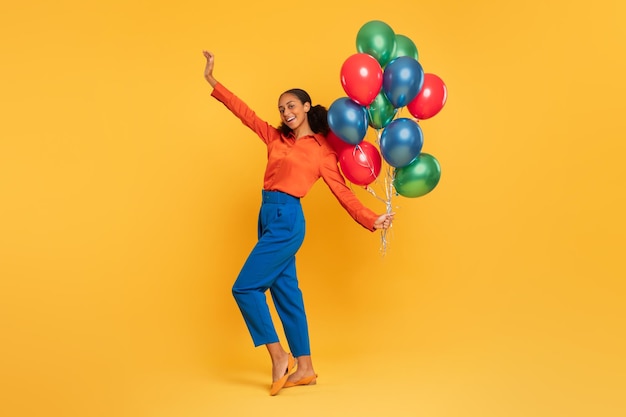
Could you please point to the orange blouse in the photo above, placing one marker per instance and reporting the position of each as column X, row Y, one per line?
column 293, row 166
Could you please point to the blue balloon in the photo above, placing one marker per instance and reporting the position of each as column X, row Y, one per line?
column 403, row 79
column 401, row 142
column 348, row 120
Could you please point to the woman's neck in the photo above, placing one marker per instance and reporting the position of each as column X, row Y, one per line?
column 302, row 132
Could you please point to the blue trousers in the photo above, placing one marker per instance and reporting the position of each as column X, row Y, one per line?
column 272, row 266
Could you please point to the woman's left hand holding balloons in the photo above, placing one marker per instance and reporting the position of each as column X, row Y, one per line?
column 384, row 221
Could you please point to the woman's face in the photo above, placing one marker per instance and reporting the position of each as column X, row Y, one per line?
column 292, row 111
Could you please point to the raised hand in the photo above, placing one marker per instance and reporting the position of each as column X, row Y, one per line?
column 208, row 69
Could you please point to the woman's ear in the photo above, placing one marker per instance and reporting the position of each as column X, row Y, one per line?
column 307, row 106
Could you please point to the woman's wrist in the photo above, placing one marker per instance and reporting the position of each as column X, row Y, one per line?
column 211, row 80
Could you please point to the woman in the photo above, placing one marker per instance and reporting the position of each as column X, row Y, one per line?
column 298, row 155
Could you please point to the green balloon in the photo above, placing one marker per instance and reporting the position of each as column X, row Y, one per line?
column 380, row 111
column 405, row 47
column 418, row 178
column 377, row 39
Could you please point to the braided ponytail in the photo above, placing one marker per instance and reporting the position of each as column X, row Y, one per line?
column 318, row 119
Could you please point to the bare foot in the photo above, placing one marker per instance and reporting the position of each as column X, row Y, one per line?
column 280, row 366
column 305, row 369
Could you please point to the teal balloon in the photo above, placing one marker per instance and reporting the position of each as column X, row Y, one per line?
column 377, row 39
column 403, row 79
column 380, row 112
column 348, row 120
column 401, row 142
column 405, row 47
column 418, row 178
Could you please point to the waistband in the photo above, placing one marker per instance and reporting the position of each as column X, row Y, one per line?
column 278, row 197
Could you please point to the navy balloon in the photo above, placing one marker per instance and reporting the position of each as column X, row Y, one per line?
column 348, row 120
column 401, row 142
column 402, row 80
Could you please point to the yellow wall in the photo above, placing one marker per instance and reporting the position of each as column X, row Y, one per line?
column 129, row 202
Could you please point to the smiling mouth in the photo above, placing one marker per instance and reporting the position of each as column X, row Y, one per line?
column 291, row 119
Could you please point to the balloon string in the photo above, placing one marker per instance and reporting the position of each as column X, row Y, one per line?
column 388, row 190
column 373, row 192
column 388, row 183
column 387, row 200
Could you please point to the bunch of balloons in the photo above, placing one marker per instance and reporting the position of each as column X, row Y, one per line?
column 383, row 77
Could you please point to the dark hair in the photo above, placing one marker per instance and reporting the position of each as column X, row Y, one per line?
column 317, row 115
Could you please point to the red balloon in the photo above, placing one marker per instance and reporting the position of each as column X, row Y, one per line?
column 430, row 99
column 361, row 78
column 337, row 143
column 360, row 164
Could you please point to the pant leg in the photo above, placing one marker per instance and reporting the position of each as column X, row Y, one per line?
column 279, row 240
column 289, row 304
column 289, row 301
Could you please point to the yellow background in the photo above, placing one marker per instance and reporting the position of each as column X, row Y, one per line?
column 129, row 202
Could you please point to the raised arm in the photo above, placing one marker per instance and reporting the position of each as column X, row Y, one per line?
column 208, row 70
column 240, row 109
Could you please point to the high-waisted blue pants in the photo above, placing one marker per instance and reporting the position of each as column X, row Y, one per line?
column 272, row 265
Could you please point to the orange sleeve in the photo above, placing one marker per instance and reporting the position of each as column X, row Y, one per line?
column 337, row 184
column 248, row 117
